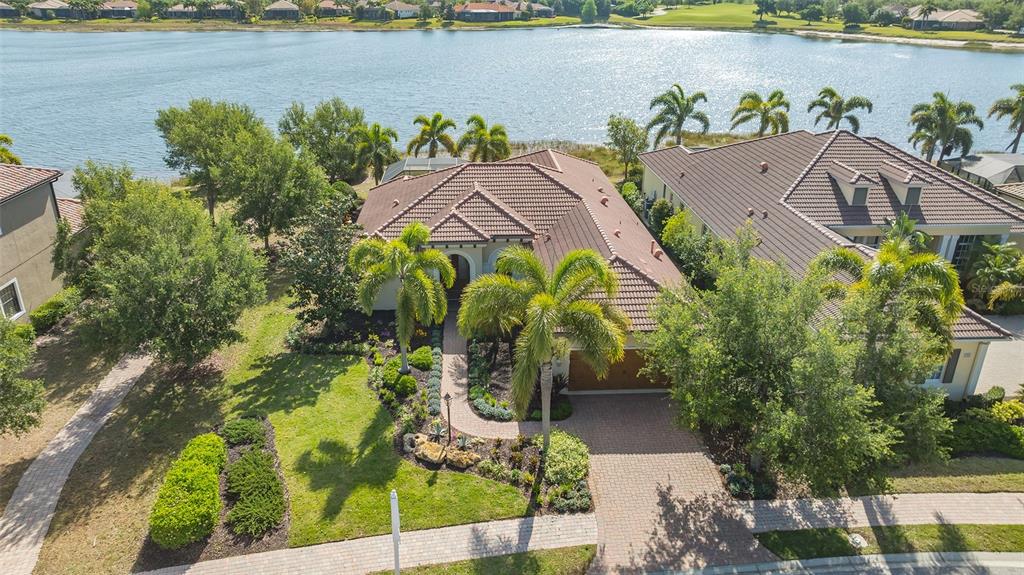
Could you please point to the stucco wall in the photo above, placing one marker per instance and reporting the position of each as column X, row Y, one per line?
column 29, row 226
column 965, row 368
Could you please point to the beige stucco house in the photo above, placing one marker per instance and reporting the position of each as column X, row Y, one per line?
column 806, row 192
column 29, row 211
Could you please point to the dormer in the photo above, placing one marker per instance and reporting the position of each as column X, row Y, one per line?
column 854, row 184
column 906, row 184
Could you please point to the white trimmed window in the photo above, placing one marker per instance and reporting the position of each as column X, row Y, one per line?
column 10, row 300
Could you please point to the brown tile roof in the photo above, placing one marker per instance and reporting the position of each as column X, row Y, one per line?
column 793, row 202
column 550, row 200
column 71, row 210
column 282, row 5
column 17, row 179
column 1015, row 191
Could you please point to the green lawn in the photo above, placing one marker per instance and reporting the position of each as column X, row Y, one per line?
column 963, row 474
column 810, row 543
column 564, row 561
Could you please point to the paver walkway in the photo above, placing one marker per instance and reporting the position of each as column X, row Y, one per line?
column 27, row 516
column 444, row 545
column 954, row 563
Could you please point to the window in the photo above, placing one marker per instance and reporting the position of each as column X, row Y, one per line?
column 869, row 241
column 10, row 300
column 860, row 196
column 962, row 252
column 944, row 373
column 913, row 196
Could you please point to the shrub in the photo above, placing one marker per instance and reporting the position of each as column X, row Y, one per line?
column 985, row 400
column 244, row 431
column 568, row 459
column 55, row 309
column 390, row 371
column 405, row 386
column 661, row 211
column 188, row 504
column 559, row 411
column 260, row 504
column 574, row 499
column 980, row 431
column 421, row 359
column 1008, row 411
column 489, row 411
column 494, row 470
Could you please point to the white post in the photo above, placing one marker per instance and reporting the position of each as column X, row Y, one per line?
column 395, row 528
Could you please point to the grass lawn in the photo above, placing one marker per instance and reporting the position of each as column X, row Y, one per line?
column 335, row 463
column 963, row 474
column 810, row 543
column 564, row 561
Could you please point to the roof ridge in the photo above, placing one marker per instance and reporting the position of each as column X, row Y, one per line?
column 455, row 214
column 617, row 258
column 600, row 228
column 988, row 322
column 807, row 169
column 539, row 169
column 457, row 170
column 500, row 205
column 836, row 238
column 731, row 144
column 515, row 159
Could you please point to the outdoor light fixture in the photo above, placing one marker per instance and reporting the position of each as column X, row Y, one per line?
column 448, row 404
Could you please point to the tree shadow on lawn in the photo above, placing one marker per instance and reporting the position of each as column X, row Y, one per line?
column 69, row 367
column 287, row 381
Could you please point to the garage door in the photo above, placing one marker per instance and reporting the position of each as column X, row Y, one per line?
column 622, row 375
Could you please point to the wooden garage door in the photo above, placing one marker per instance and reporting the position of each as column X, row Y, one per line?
column 622, row 375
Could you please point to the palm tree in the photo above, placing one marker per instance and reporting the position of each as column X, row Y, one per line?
column 1014, row 108
column 674, row 109
column 376, row 149
column 942, row 125
column 903, row 228
column 6, row 155
column 927, row 10
column 551, row 310
column 432, row 135
column 772, row 114
column 998, row 264
column 835, row 108
column 420, row 296
column 485, row 144
column 1007, row 291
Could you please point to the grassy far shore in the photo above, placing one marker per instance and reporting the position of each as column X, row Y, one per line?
column 834, row 542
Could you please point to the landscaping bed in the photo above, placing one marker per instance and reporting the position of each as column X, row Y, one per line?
column 490, row 385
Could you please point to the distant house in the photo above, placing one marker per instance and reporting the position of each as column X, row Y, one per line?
column 366, row 11
column 961, row 19
column 484, row 12
column 282, row 10
column 1013, row 193
column 988, row 170
column 181, row 11
column 539, row 10
column 50, row 9
column 331, row 8
column 417, row 167
column 224, row 11
column 402, row 10
column 119, row 9
column 8, row 11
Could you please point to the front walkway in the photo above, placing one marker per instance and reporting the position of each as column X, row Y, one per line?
column 27, row 516
column 444, row 545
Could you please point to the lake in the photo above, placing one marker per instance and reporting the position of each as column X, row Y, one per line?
column 66, row 97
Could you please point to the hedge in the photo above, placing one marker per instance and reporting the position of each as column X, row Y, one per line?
column 244, row 431
column 260, row 506
column 55, row 309
column 188, row 505
column 979, row 431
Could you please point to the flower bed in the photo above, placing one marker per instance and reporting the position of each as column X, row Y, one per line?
column 490, row 385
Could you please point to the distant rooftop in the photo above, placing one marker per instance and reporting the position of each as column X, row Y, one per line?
column 997, row 168
column 419, row 165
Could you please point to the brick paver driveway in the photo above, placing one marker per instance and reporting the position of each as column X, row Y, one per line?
column 659, row 502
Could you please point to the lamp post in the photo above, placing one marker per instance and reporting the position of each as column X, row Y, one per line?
column 448, row 404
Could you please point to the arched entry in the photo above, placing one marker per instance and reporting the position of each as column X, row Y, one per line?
column 463, row 274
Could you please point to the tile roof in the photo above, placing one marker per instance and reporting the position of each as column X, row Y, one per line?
column 397, row 5
column 48, row 5
column 793, row 202
column 1015, row 191
column 15, row 179
column 71, row 210
column 282, row 5
column 549, row 200
column 483, row 7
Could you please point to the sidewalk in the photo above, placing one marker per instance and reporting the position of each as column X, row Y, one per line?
column 27, row 517
column 429, row 546
column 901, row 563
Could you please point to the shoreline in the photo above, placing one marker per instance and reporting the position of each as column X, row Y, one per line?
column 335, row 26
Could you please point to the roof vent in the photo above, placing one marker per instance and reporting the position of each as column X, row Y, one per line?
column 654, row 246
column 764, row 167
column 658, row 254
column 750, row 212
column 764, row 214
column 405, row 177
column 600, row 189
column 681, row 174
column 394, row 202
column 617, row 233
column 604, row 200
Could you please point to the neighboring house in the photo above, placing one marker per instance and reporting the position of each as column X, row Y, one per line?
column 119, row 9
column 368, row 11
column 484, row 12
column 181, row 11
column 418, row 166
column 539, row 10
column 1013, row 193
column 549, row 201
column 805, row 193
column 402, row 10
column 961, row 19
column 282, row 10
column 50, row 9
column 224, row 11
column 988, row 170
column 29, row 210
column 330, row 9
column 8, row 11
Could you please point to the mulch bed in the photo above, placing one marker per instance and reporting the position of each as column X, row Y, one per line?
column 222, row 542
column 501, row 382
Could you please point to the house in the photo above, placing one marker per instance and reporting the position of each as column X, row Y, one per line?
column 1013, row 193
column 366, row 11
column 988, row 170
column 119, row 9
column 224, row 11
column 181, row 11
column 805, row 193
column 50, row 9
column 549, row 201
column 282, row 10
column 331, row 9
column 29, row 211
column 8, row 11
column 413, row 166
column 484, row 12
column 521, row 7
column 402, row 10
column 961, row 19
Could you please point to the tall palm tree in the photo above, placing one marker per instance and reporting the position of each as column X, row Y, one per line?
column 432, row 135
column 422, row 275
column 552, row 309
column 926, row 11
column 942, row 125
column 674, row 109
column 835, row 109
column 771, row 114
column 376, row 148
column 485, row 144
column 903, row 228
column 6, row 155
column 1014, row 108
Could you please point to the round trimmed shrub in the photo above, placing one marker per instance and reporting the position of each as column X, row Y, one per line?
column 405, row 386
column 421, row 359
